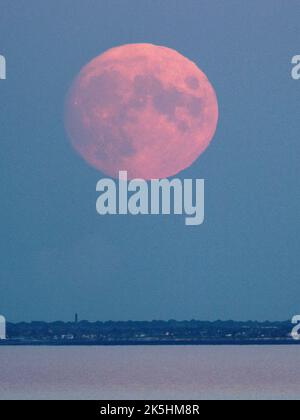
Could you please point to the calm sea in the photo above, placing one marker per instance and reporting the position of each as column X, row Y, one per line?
column 150, row 372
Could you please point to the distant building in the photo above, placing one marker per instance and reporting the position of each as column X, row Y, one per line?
column 2, row 328
column 76, row 318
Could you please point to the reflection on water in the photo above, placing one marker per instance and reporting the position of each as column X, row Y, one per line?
column 150, row 372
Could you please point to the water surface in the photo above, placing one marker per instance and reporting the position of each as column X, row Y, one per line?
column 212, row 372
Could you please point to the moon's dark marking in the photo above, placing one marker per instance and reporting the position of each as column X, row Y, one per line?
column 192, row 82
column 146, row 88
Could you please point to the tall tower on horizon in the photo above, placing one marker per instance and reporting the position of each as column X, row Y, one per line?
column 76, row 318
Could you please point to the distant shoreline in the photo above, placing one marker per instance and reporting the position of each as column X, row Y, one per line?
column 154, row 333
column 153, row 343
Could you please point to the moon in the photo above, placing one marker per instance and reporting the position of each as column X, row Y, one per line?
column 141, row 108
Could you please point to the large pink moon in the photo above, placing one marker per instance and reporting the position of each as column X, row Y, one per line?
column 141, row 108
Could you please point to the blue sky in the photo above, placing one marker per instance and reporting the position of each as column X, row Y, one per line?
column 59, row 257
